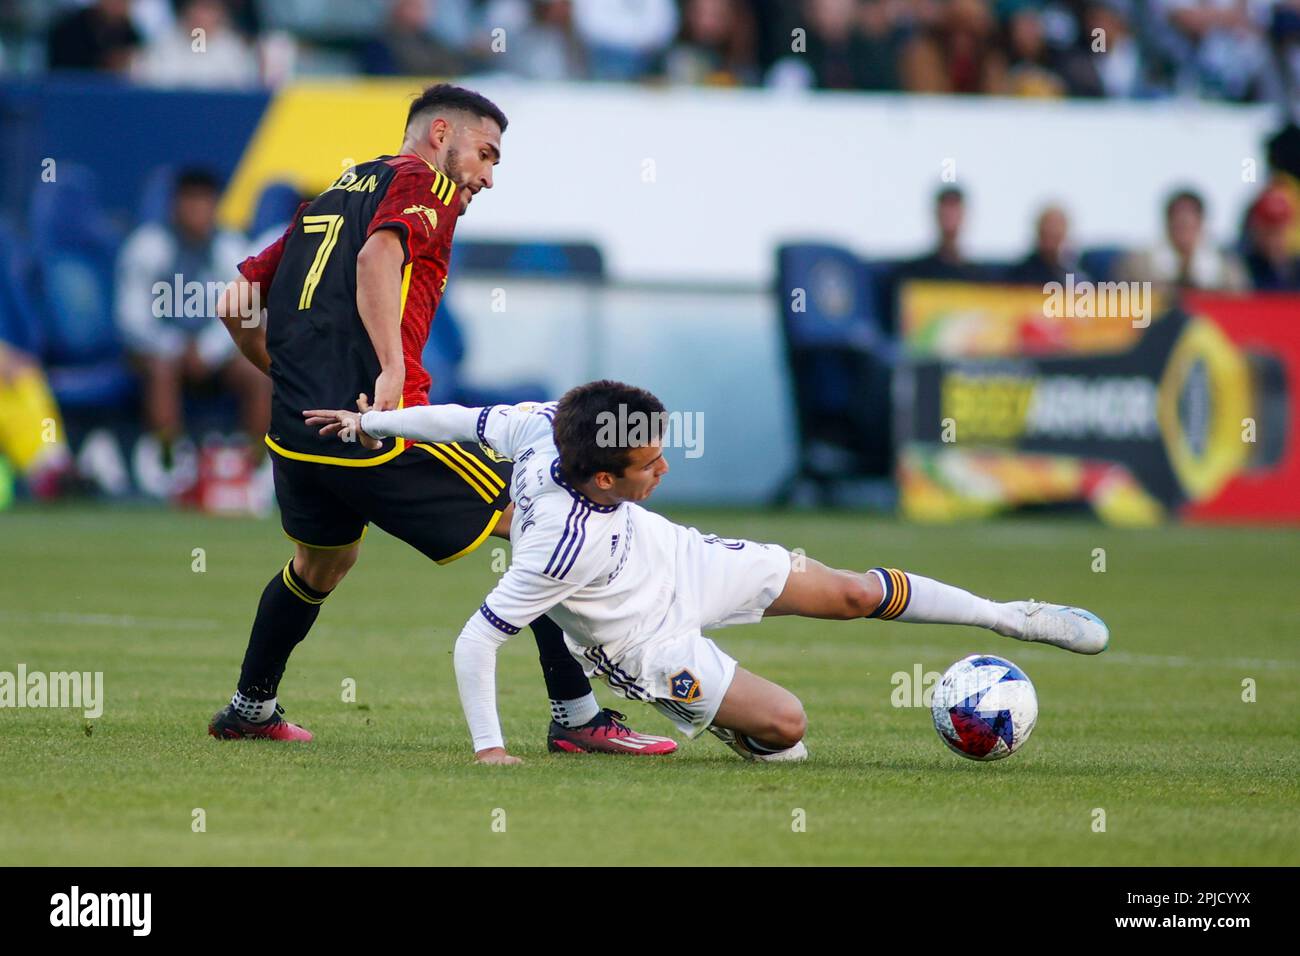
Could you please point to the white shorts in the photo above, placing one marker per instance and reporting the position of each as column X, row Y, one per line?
column 719, row 582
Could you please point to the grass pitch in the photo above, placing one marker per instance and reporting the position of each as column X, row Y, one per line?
column 1154, row 733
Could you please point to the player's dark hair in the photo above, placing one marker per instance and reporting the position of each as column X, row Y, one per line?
column 949, row 194
column 445, row 96
column 581, row 427
column 196, row 177
column 1185, row 195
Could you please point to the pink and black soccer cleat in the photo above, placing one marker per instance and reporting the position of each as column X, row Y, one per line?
column 605, row 734
column 228, row 725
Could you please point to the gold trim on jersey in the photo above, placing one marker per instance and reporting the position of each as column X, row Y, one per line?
column 475, row 481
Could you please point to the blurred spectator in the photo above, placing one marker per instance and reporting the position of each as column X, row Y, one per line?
column 624, row 38
column 1186, row 258
column 946, row 261
column 1284, row 36
column 1107, row 61
column 1050, row 259
column 541, row 43
column 406, row 47
column 32, row 438
column 954, row 52
column 170, row 329
column 716, row 46
column 849, row 47
column 1027, row 67
column 97, row 37
column 1218, row 44
column 1269, row 260
column 204, row 50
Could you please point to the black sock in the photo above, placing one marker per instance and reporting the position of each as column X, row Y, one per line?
column 564, row 677
column 285, row 614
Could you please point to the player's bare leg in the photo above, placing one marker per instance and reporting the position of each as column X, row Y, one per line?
column 760, row 720
column 288, row 609
column 815, row 590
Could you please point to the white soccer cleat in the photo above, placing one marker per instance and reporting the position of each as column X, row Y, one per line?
column 734, row 741
column 1072, row 628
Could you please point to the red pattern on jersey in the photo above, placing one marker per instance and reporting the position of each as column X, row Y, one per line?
column 260, row 269
column 425, row 224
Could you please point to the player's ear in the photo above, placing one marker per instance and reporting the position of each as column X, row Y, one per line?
column 604, row 480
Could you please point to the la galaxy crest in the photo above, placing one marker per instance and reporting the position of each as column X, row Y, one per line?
column 684, row 687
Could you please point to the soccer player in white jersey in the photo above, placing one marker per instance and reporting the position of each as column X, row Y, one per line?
column 634, row 592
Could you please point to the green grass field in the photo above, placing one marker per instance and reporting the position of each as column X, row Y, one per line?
column 1154, row 732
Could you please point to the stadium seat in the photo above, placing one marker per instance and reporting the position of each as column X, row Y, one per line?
column 74, row 247
column 156, row 195
column 276, row 205
column 841, row 363
column 1101, row 262
column 19, row 325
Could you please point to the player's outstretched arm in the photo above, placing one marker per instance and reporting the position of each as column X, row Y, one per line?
column 476, row 679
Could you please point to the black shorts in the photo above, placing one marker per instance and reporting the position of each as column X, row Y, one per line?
column 442, row 499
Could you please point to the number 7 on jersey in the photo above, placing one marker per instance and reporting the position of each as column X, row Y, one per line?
column 329, row 225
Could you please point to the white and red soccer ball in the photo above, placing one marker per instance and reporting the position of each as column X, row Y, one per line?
column 984, row 707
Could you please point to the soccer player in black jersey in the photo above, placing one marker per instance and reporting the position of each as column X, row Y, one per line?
column 350, row 290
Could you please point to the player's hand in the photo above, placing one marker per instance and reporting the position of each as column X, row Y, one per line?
column 496, row 756
column 388, row 389
column 343, row 423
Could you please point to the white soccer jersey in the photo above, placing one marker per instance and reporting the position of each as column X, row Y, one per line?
column 613, row 577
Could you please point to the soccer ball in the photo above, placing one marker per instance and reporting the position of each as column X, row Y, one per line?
column 984, row 707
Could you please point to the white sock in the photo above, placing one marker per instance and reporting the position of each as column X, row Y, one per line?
column 574, row 713
column 920, row 600
column 256, row 711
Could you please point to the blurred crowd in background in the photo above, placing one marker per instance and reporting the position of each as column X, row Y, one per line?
column 79, row 322
column 1237, row 50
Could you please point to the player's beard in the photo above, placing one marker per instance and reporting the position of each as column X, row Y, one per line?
column 453, row 171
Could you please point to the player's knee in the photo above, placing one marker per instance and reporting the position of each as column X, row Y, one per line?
column 789, row 723
column 861, row 595
column 324, row 570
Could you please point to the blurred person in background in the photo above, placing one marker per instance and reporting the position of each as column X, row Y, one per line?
column 841, row 54
column 32, row 439
column 542, row 44
column 203, row 50
column 624, row 38
column 1107, row 60
column 1026, row 65
column 100, row 36
column 176, row 339
column 946, row 260
column 1219, row 45
column 716, row 46
column 1051, row 259
column 1269, row 260
column 1284, row 38
column 954, row 52
column 1186, row 258
column 406, row 45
